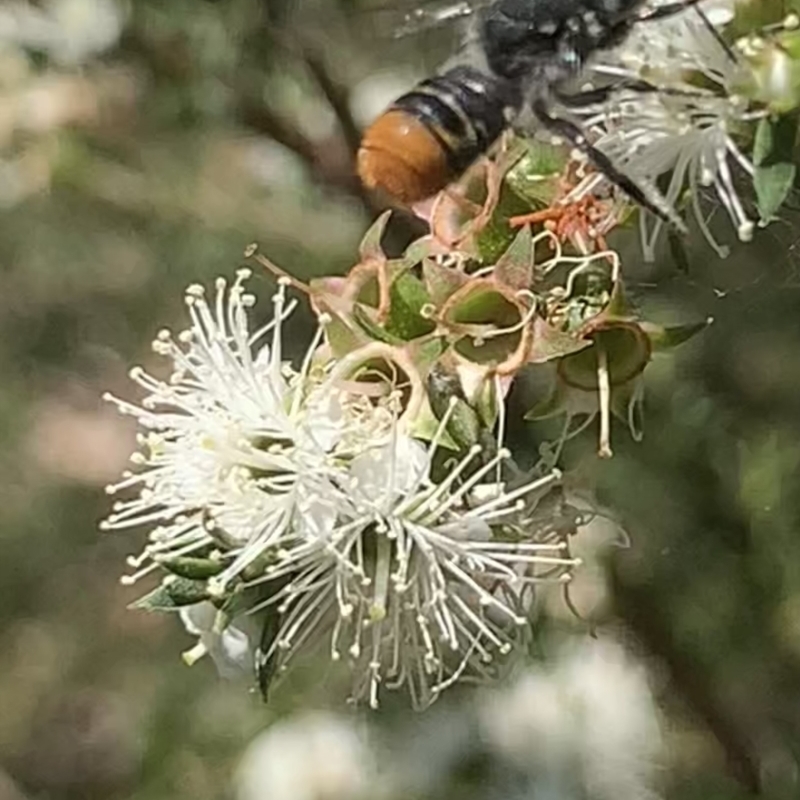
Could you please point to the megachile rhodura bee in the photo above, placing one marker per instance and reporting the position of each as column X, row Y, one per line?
column 529, row 54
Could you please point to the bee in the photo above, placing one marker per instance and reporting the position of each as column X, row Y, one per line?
column 530, row 51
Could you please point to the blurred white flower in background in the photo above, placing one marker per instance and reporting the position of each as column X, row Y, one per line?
column 313, row 756
column 60, row 429
column 69, row 31
column 373, row 93
column 588, row 720
column 40, row 102
column 581, row 726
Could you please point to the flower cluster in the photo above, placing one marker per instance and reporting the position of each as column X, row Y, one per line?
column 368, row 499
column 300, row 499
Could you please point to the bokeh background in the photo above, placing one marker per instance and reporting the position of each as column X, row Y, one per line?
column 143, row 146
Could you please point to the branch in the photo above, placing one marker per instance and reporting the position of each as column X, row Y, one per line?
column 338, row 98
column 644, row 618
column 332, row 162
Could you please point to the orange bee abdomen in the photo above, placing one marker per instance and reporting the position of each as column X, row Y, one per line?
column 402, row 156
column 432, row 134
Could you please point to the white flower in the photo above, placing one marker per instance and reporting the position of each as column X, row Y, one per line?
column 418, row 590
column 589, row 719
column 228, row 643
column 313, row 511
column 317, row 756
column 238, row 452
column 681, row 128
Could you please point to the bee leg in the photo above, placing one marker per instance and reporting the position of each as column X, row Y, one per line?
column 576, row 137
column 596, row 97
column 668, row 10
column 592, row 97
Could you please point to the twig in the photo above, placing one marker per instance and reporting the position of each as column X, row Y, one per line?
column 259, row 116
column 338, row 98
column 643, row 616
column 332, row 163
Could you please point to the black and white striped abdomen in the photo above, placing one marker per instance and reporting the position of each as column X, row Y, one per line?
column 465, row 109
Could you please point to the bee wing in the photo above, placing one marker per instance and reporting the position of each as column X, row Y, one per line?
column 425, row 15
column 433, row 13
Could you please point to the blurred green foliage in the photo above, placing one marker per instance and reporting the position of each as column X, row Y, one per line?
column 204, row 126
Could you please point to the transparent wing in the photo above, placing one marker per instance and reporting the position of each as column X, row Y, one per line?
column 433, row 13
column 401, row 19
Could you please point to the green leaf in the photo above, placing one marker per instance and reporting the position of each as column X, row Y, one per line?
column 425, row 426
column 628, row 350
column 773, row 158
column 370, row 247
column 444, row 390
column 266, row 660
column 341, row 336
column 172, row 594
column 464, row 425
column 407, row 298
column 157, row 600
column 441, row 281
column 753, row 16
column 487, row 404
column 665, row 338
column 618, row 306
column 534, row 175
column 495, row 237
column 192, row 567
column 372, row 329
column 515, row 266
column 426, row 353
column 549, row 343
column 483, row 304
column 417, row 251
